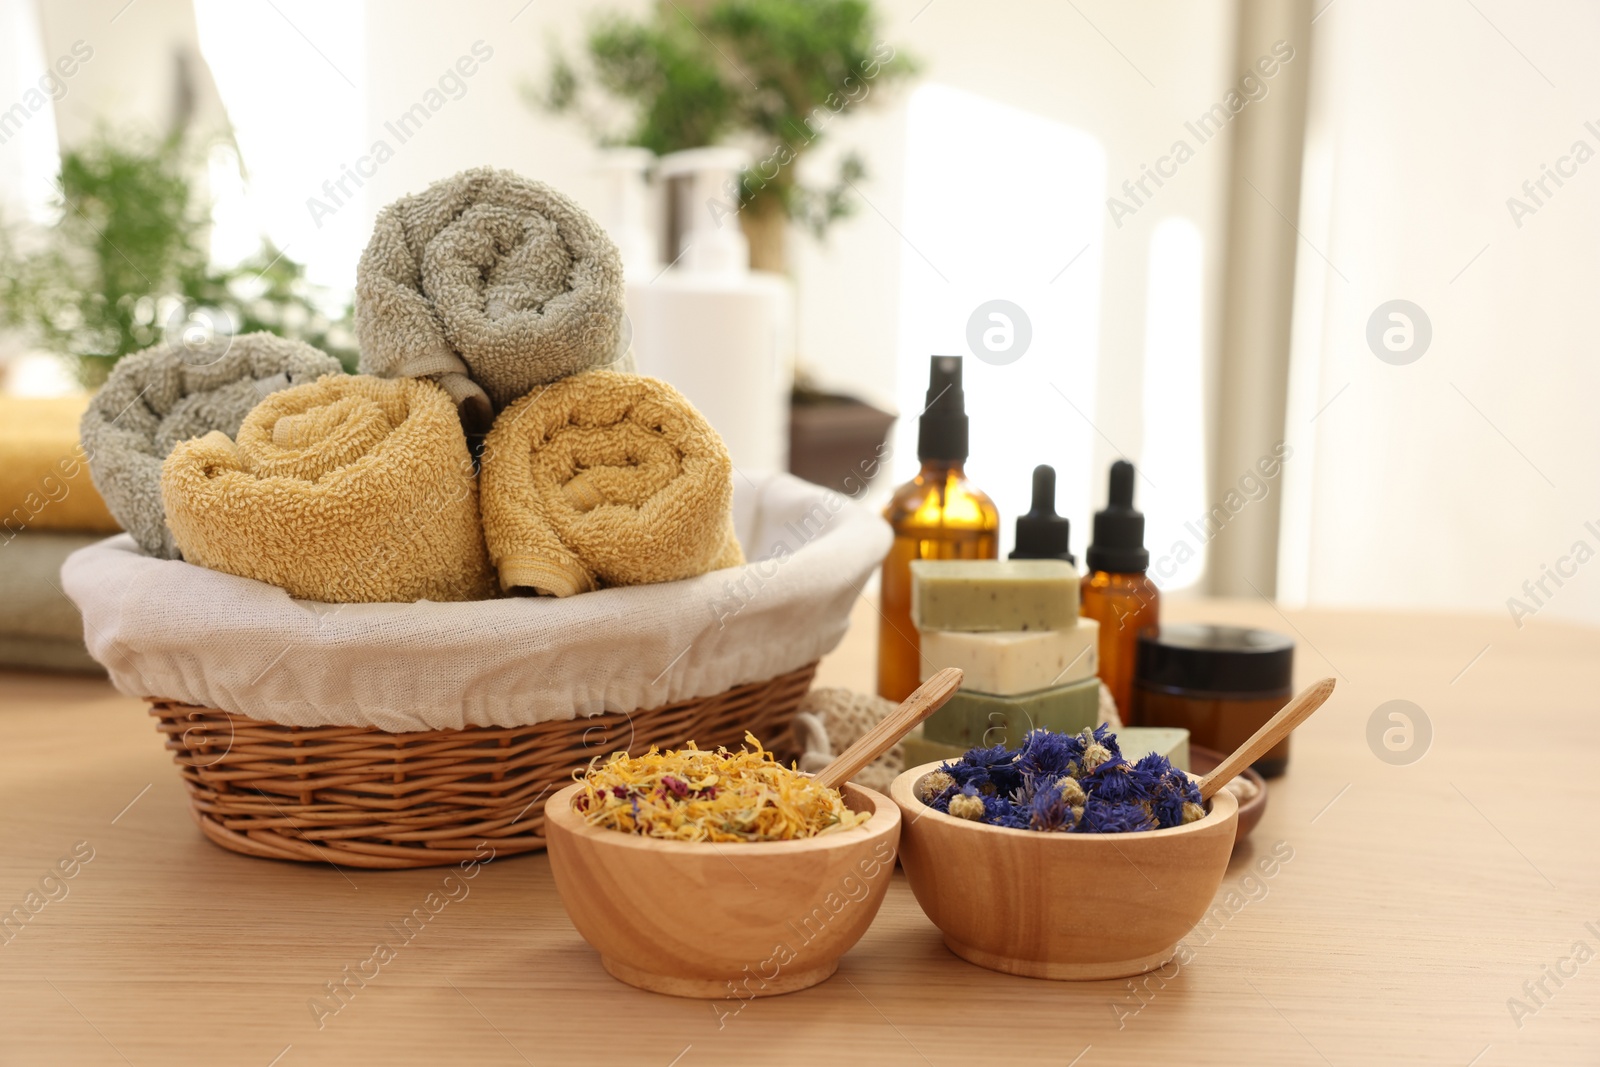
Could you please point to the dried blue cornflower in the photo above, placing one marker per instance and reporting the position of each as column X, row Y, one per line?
column 1181, row 784
column 1049, row 811
column 1046, row 754
column 1149, row 774
column 993, row 756
column 1107, row 817
column 942, row 801
column 989, row 770
column 998, row 811
column 1023, row 794
column 1103, row 736
column 1063, row 782
column 1167, row 807
column 1112, row 782
column 1006, row 776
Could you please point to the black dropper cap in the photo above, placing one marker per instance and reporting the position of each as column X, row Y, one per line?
column 1118, row 545
column 1041, row 533
column 942, row 430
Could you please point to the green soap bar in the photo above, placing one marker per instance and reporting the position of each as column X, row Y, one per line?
column 982, row 596
column 1136, row 742
column 973, row 719
column 1169, row 741
column 920, row 750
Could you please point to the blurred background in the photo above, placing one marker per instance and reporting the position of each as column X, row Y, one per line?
column 1320, row 269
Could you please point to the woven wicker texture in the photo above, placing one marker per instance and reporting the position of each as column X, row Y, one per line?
column 361, row 797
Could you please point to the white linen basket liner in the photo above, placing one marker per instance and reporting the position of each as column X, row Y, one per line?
column 165, row 628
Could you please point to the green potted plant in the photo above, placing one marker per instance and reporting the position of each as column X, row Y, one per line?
column 125, row 266
column 770, row 74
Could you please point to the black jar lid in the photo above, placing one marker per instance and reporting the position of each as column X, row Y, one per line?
column 1215, row 659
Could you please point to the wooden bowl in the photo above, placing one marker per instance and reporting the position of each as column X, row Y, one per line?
column 1063, row 906
column 1202, row 761
column 722, row 920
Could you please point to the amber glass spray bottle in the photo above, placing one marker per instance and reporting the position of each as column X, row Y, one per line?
column 936, row 515
column 1116, row 592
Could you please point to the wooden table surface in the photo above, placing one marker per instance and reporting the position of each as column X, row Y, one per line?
column 1444, row 911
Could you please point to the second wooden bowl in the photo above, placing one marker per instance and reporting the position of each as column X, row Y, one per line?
column 722, row 920
column 1063, row 906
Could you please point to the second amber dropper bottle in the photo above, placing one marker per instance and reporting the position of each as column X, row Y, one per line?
column 936, row 515
column 1116, row 592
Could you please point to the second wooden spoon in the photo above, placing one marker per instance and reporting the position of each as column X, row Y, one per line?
column 929, row 697
column 1272, row 731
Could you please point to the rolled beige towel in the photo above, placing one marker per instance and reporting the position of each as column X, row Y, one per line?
column 490, row 284
column 605, row 479
column 346, row 490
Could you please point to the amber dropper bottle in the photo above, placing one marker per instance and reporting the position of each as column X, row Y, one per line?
column 936, row 515
column 1115, row 591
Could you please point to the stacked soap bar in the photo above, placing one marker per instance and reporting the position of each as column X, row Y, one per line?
column 1010, row 663
column 972, row 719
column 1013, row 629
column 989, row 595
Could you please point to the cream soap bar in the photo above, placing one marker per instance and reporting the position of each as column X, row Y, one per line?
column 972, row 719
column 1009, row 663
column 987, row 595
column 1136, row 742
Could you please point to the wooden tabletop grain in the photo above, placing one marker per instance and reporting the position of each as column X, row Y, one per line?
column 1444, row 910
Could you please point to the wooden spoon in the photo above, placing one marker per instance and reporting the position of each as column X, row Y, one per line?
column 929, row 697
column 1274, row 730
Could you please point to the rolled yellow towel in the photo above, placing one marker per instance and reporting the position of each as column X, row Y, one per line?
column 343, row 490
column 605, row 479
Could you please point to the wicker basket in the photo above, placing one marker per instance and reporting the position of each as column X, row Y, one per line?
column 360, row 797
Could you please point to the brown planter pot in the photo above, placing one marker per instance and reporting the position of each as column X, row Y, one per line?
column 837, row 441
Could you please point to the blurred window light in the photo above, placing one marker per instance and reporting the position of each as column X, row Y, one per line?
column 39, row 374
column 1174, row 449
column 292, row 77
column 1001, row 263
column 235, row 235
column 29, row 157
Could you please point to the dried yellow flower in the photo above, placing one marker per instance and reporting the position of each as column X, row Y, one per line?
column 690, row 795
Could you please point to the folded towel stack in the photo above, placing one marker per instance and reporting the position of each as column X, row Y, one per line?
column 606, row 479
column 44, row 476
column 40, row 628
column 156, row 398
column 490, row 284
column 48, row 510
column 349, row 489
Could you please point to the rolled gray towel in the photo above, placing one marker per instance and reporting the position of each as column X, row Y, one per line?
column 166, row 394
column 490, row 284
